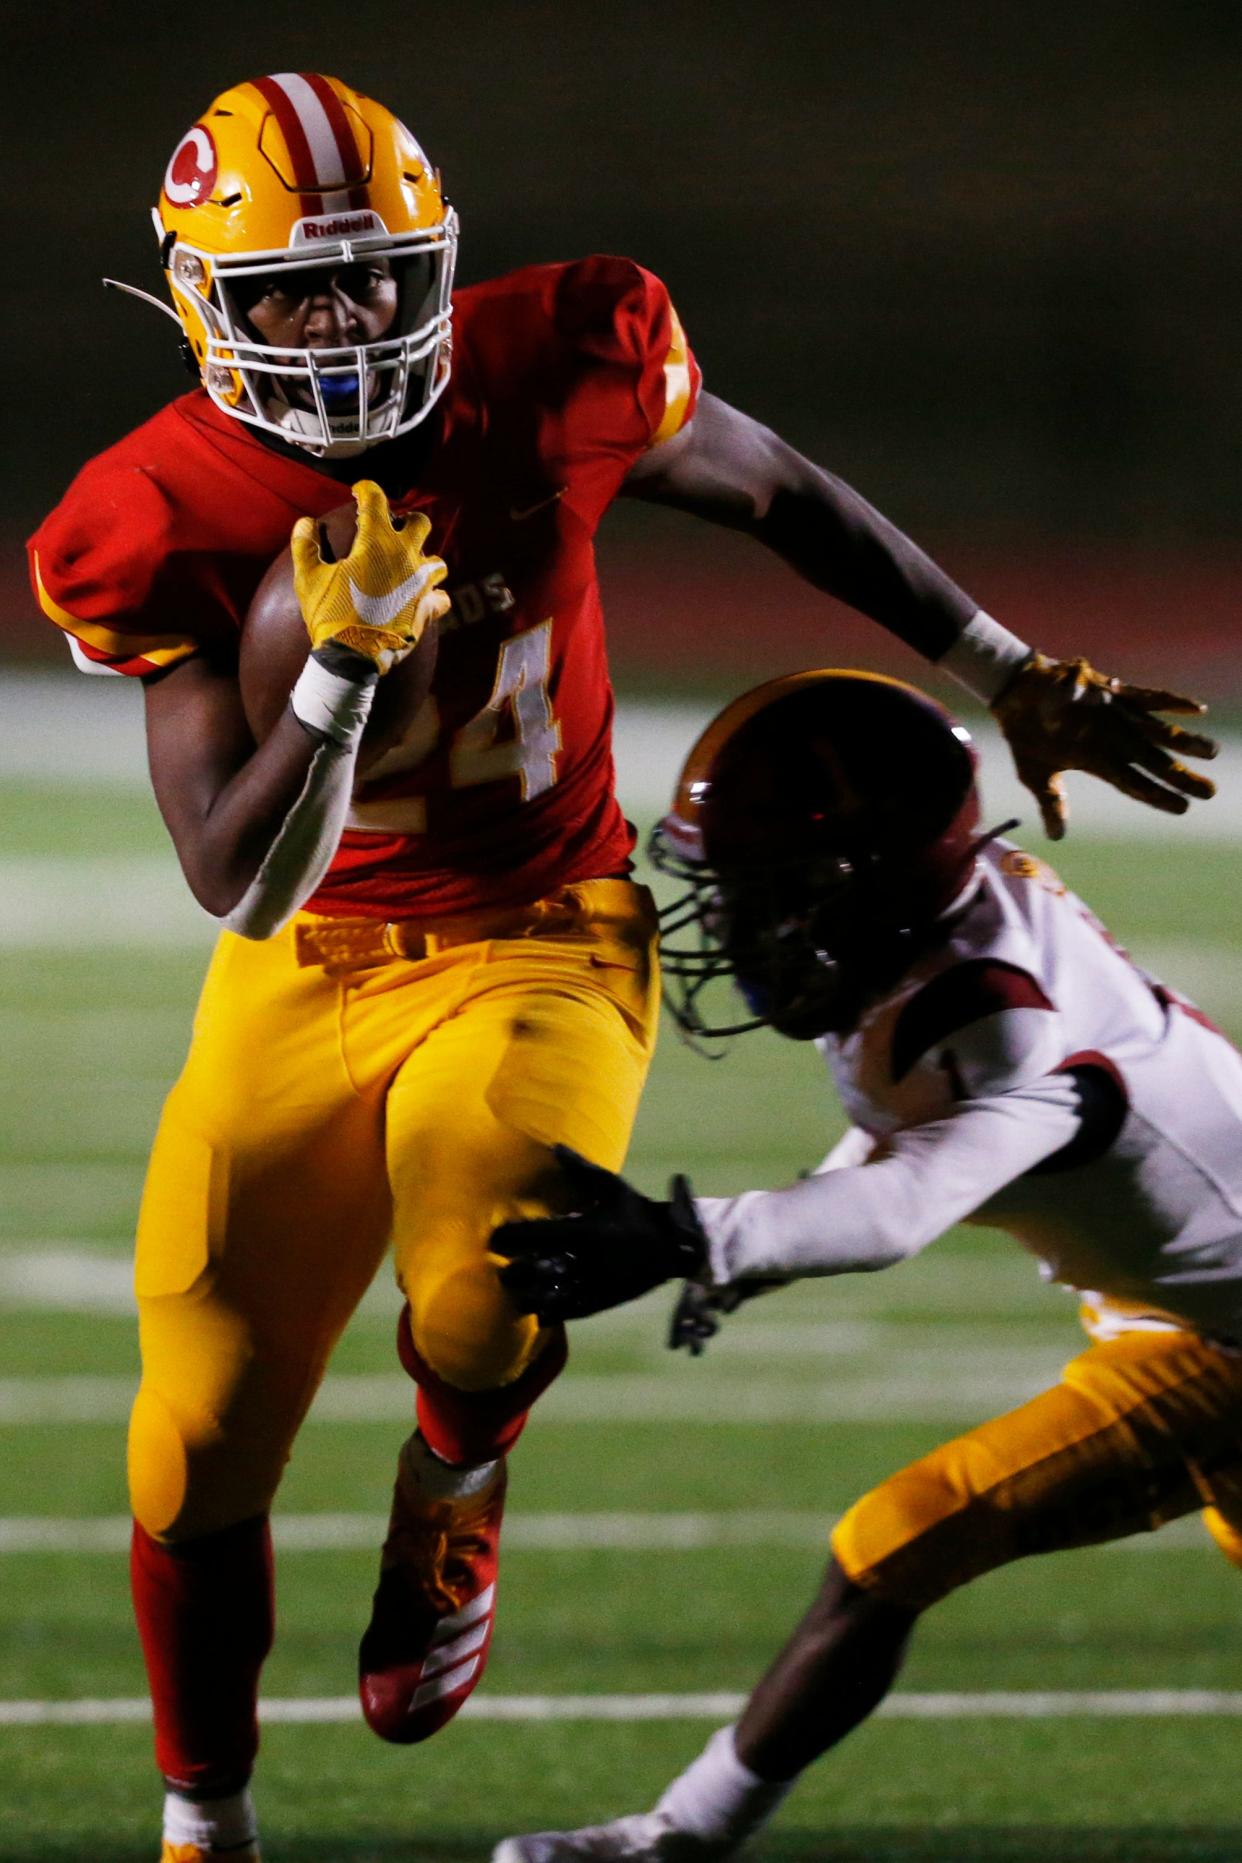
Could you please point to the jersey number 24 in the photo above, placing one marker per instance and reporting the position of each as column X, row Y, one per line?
column 479, row 752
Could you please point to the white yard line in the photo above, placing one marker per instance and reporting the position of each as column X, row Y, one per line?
column 547, row 1532
column 84, row 1272
column 617, row 1532
column 62, row 1277
column 1107, row 1704
column 944, row 1386
column 55, row 902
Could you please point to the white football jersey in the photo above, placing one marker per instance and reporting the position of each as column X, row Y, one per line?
column 1029, row 1076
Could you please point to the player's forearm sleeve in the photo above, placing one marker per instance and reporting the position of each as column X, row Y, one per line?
column 302, row 851
column 918, row 1184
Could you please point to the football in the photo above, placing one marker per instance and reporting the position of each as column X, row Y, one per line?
column 274, row 645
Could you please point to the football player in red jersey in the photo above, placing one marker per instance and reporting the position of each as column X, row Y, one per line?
column 434, row 970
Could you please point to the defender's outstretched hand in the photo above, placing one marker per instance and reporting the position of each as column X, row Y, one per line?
column 617, row 1245
column 696, row 1315
column 1060, row 715
column 366, row 613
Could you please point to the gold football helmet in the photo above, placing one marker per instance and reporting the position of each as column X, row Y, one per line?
column 295, row 178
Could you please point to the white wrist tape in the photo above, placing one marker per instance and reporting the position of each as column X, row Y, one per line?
column 329, row 704
column 984, row 657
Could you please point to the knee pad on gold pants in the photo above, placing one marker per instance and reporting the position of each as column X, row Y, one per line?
column 466, row 1329
column 188, row 1475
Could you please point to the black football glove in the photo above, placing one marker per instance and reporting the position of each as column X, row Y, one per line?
column 694, row 1319
column 617, row 1246
column 696, row 1316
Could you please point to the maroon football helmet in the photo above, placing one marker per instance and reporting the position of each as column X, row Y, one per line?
column 827, row 822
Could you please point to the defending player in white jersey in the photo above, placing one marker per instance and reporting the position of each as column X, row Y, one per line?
column 1002, row 1061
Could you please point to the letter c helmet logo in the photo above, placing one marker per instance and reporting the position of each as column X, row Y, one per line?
column 191, row 174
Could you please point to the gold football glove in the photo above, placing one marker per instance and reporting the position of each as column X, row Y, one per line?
column 376, row 605
column 1062, row 715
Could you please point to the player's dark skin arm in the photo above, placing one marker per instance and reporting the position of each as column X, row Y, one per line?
column 223, row 800
column 1057, row 715
column 728, row 468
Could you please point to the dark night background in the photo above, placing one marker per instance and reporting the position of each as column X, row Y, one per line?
column 982, row 261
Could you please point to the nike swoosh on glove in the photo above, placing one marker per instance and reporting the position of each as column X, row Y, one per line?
column 366, row 613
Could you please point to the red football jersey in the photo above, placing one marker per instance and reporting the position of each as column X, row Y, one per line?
column 503, row 789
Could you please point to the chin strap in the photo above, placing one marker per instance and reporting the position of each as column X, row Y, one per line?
column 992, row 834
column 294, row 422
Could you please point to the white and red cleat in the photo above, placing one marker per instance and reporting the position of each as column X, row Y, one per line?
column 426, row 1645
column 650, row 1837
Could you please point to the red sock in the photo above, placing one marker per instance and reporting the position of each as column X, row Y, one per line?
column 466, row 1427
column 205, row 1613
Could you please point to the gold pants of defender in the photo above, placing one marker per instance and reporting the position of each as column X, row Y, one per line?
column 339, row 1094
column 1140, row 1430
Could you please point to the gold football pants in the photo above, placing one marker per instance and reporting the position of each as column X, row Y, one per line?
column 347, row 1084
column 1140, row 1430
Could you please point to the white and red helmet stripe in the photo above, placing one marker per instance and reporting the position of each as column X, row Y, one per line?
column 328, row 169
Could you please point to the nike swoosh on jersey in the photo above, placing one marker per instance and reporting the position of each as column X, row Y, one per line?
column 382, row 610
column 519, row 513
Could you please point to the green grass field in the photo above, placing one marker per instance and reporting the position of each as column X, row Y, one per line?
column 668, row 1516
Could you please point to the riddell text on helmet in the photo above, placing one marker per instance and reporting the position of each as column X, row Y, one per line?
column 337, row 226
